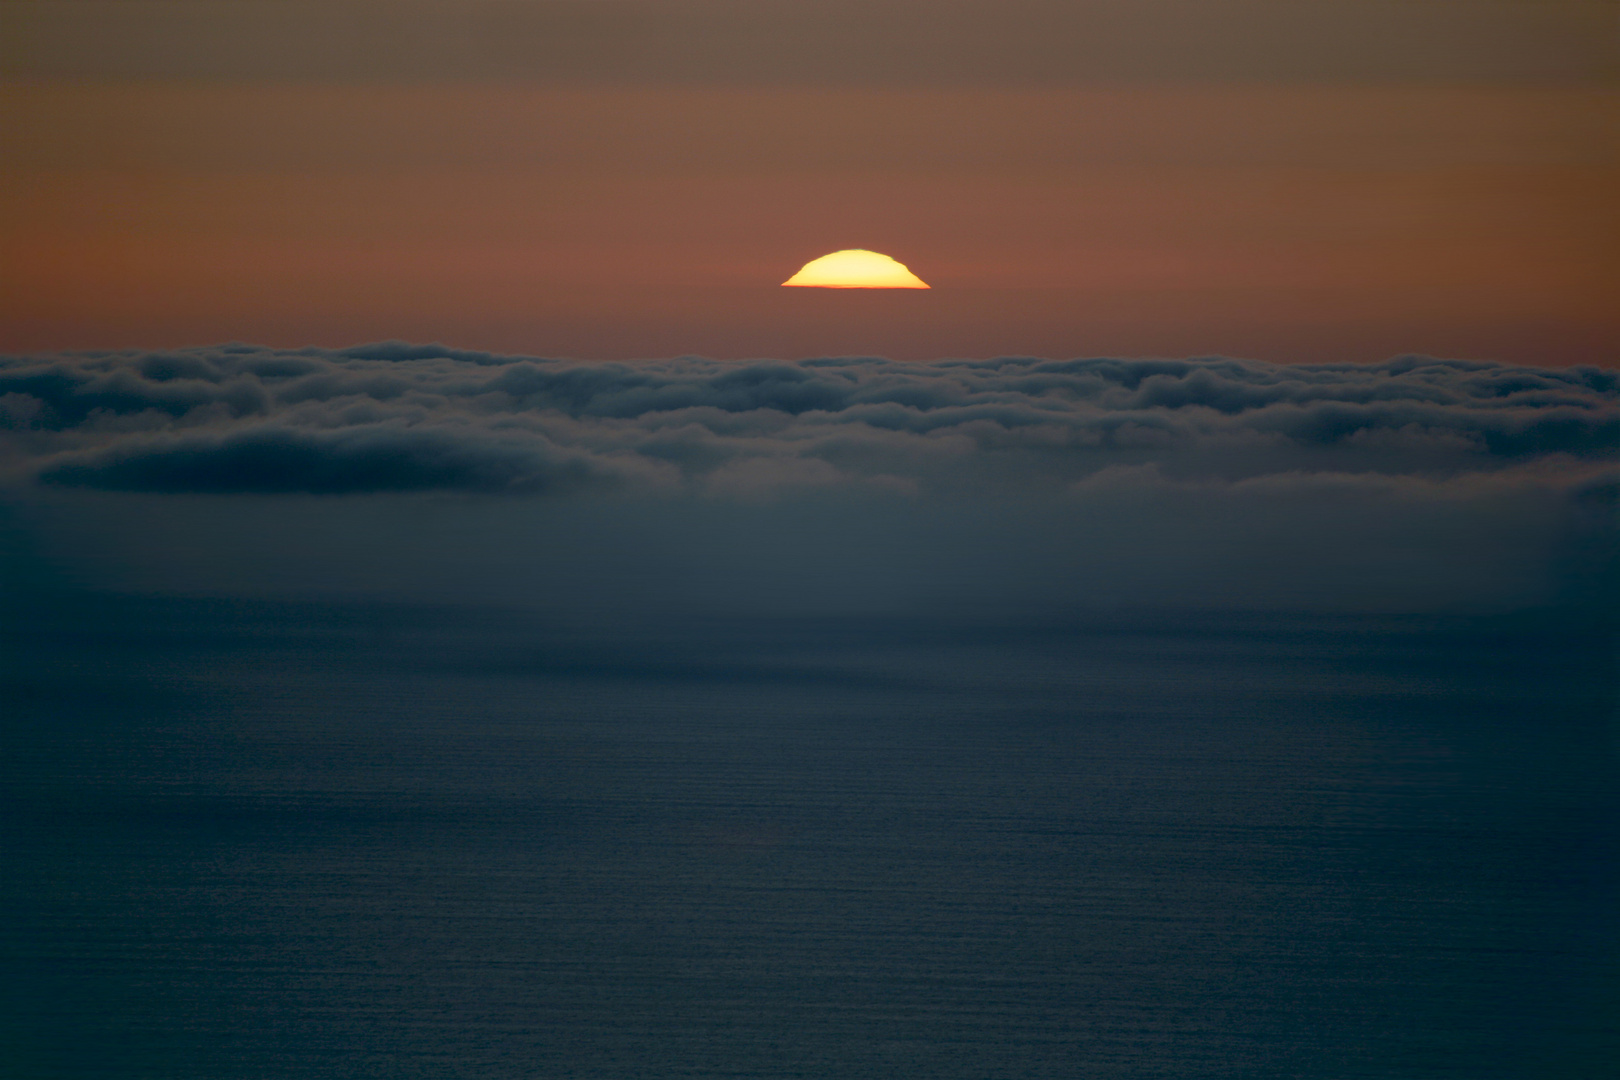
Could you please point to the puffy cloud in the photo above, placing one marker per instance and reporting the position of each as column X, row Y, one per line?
column 1009, row 486
column 397, row 417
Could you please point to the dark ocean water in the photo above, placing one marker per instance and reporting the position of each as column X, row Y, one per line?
column 253, row 840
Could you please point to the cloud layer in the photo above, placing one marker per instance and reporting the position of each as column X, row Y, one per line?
column 1228, row 479
column 401, row 417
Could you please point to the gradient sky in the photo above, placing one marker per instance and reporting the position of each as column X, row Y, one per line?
column 1344, row 180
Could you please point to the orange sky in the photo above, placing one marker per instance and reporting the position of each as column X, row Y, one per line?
column 1286, row 221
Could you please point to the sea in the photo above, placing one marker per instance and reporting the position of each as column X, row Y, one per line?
column 266, row 839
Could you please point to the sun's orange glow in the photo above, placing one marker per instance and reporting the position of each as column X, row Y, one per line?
column 856, row 268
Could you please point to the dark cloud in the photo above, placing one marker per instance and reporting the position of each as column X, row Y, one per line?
column 405, row 350
column 368, row 458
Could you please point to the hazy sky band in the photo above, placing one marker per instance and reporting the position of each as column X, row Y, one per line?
column 841, row 42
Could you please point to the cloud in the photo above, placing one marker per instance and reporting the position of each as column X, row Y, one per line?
column 830, row 485
column 400, row 417
column 370, row 458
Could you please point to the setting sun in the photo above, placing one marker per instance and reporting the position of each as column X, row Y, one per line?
column 856, row 268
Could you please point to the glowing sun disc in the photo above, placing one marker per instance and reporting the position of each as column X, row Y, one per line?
column 855, row 268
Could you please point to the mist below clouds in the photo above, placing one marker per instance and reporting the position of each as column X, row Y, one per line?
column 1009, row 489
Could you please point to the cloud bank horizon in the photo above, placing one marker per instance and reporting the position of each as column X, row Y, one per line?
column 1416, row 482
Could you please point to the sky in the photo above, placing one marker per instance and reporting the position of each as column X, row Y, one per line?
column 1334, row 181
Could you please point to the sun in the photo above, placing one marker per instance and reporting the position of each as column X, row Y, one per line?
column 856, row 268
